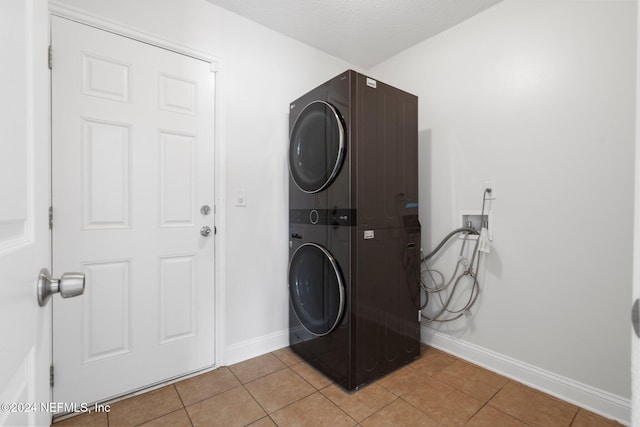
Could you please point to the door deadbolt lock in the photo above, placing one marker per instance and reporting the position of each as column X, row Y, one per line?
column 68, row 285
column 205, row 231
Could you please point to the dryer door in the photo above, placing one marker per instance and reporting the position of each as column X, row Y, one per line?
column 316, row 147
column 316, row 289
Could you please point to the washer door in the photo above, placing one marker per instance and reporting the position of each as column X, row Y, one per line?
column 316, row 289
column 316, row 147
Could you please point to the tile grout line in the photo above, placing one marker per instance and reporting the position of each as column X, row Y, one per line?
column 416, row 408
column 164, row 415
column 262, row 376
column 179, row 396
column 248, row 392
column 388, row 404
column 316, row 390
column 336, row 405
column 289, row 404
column 547, row 397
column 213, row 395
column 422, row 412
column 257, row 403
column 184, row 407
column 277, row 357
column 485, row 403
column 574, row 417
column 305, row 380
column 506, row 413
column 286, row 406
column 168, row 413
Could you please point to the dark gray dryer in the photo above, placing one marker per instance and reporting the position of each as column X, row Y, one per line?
column 354, row 235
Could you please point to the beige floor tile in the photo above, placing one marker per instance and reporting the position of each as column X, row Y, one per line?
column 443, row 403
column 436, row 390
column 235, row 407
column 487, row 376
column 312, row 411
column 400, row 414
column 428, row 388
column 361, row 404
column 279, row 389
column 431, row 362
column 175, row 419
column 263, row 422
column 257, row 367
column 287, row 356
column 586, row 418
column 145, row 407
column 434, row 351
column 533, row 407
column 402, row 381
column 470, row 379
column 91, row 419
column 312, row 375
column 489, row 416
column 206, row 385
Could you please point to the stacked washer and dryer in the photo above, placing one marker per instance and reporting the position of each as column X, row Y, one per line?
column 354, row 235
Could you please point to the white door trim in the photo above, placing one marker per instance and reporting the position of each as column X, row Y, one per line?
column 80, row 16
column 635, row 341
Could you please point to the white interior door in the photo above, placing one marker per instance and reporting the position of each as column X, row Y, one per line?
column 133, row 160
column 24, row 199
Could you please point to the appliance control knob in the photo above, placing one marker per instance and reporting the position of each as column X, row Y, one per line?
column 314, row 216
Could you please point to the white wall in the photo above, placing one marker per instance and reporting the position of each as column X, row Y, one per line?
column 537, row 96
column 261, row 71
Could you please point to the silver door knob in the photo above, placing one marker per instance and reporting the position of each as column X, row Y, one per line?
column 205, row 231
column 68, row 285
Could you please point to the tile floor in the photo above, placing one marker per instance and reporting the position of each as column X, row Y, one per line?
column 280, row 389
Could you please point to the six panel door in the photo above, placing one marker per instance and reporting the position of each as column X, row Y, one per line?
column 133, row 162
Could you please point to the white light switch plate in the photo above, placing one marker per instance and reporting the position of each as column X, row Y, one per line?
column 241, row 199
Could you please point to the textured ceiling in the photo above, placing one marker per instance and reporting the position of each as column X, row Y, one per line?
column 362, row 32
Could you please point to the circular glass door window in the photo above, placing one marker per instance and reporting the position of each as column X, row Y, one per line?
column 316, row 289
column 316, row 147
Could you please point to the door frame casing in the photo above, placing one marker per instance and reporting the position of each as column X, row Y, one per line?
column 77, row 15
column 635, row 341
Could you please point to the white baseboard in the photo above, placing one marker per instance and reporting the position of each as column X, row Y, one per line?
column 256, row 347
column 601, row 402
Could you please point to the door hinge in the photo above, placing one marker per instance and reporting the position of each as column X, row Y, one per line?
column 51, row 375
column 50, row 59
column 50, row 217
